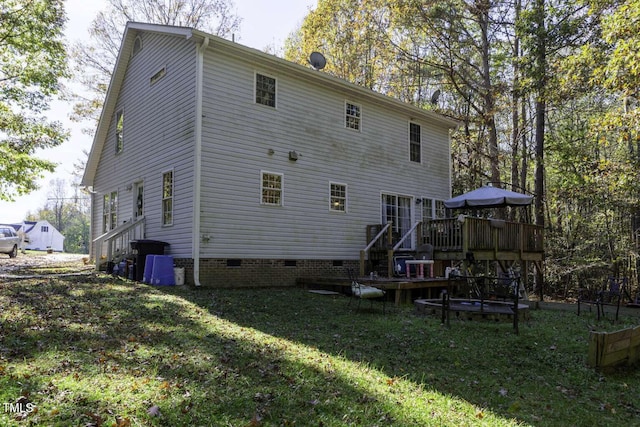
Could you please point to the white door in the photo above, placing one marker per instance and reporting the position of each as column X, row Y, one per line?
column 397, row 210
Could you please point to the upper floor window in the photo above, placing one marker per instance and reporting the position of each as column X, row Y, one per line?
column 167, row 198
column 352, row 116
column 158, row 75
column 265, row 90
column 338, row 201
column 119, row 131
column 137, row 46
column 415, row 141
column 44, row 228
column 271, row 188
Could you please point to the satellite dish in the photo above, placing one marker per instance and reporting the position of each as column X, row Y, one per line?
column 435, row 96
column 317, row 60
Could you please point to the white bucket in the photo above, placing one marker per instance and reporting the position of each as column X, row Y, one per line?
column 178, row 274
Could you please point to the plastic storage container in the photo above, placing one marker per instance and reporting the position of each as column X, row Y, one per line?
column 142, row 248
column 148, row 268
column 162, row 273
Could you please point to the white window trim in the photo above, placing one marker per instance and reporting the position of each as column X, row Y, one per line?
column 134, row 50
column 344, row 118
column 119, row 112
column 410, row 142
column 106, row 223
column 136, row 185
column 438, row 211
column 281, row 175
column 158, row 75
column 173, row 197
column 346, row 198
column 412, row 206
column 255, row 87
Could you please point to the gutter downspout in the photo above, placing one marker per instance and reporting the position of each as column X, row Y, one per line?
column 197, row 170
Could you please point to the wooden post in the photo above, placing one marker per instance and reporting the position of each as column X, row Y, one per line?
column 362, row 262
column 465, row 236
column 390, row 265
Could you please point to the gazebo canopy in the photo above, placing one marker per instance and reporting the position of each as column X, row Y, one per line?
column 488, row 197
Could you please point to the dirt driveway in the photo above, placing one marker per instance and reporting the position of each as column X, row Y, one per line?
column 32, row 260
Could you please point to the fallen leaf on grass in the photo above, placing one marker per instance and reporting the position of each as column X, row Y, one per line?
column 96, row 420
column 122, row 422
column 256, row 421
column 154, row 411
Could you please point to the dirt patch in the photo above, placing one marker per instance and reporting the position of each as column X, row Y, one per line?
column 40, row 260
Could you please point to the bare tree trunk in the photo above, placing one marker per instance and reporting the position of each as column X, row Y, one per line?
column 515, row 101
column 541, row 71
column 488, row 95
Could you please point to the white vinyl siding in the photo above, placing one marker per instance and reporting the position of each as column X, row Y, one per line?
column 159, row 136
column 242, row 138
column 370, row 161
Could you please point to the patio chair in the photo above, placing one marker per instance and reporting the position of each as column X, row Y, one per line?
column 360, row 291
column 399, row 266
column 424, row 251
column 609, row 295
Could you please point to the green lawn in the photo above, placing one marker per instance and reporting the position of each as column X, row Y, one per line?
column 99, row 351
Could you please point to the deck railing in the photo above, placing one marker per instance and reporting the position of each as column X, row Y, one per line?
column 114, row 244
column 376, row 241
column 469, row 234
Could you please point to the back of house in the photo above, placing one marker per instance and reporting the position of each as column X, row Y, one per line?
column 255, row 170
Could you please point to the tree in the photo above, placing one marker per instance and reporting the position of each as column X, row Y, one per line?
column 352, row 35
column 32, row 62
column 94, row 60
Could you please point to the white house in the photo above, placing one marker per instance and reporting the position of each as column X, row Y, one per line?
column 40, row 236
column 254, row 169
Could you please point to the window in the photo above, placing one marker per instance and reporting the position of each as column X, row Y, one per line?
column 338, row 201
column 167, row 198
column 352, row 116
column 265, row 90
column 109, row 211
column 159, row 75
column 271, row 186
column 433, row 209
column 414, row 142
column 138, row 208
column 119, row 131
column 44, row 228
column 137, row 46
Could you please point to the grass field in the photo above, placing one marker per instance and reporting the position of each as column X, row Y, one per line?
column 95, row 350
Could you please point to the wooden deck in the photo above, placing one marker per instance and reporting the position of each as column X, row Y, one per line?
column 401, row 290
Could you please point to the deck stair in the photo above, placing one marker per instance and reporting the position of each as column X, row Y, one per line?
column 115, row 245
column 453, row 239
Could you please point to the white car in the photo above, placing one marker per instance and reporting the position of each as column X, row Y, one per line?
column 9, row 241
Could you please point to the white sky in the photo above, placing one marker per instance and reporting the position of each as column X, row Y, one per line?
column 264, row 23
